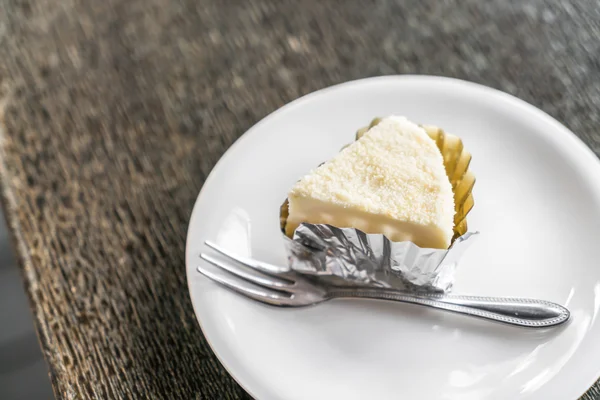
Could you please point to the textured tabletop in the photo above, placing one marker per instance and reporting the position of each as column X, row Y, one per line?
column 115, row 111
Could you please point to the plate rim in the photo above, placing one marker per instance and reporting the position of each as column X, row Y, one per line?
column 508, row 98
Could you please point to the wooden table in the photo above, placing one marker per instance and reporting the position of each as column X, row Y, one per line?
column 115, row 111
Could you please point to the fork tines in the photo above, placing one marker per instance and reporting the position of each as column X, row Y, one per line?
column 250, row 277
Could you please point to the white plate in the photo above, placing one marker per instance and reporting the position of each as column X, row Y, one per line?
column 537, row 205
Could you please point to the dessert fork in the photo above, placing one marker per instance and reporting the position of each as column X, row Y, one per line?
column 280, row 286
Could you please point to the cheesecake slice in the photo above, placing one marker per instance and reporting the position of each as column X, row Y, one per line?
column 391, row 181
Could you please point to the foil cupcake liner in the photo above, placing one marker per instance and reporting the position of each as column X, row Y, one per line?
column 350, row 257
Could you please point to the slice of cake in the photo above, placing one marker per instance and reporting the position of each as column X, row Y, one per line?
column 390, row 181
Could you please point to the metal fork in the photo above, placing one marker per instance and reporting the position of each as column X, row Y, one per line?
column 280, row 286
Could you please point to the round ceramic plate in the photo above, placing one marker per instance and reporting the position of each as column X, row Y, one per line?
column 537, row 206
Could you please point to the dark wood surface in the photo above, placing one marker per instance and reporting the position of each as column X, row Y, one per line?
column 115, row 111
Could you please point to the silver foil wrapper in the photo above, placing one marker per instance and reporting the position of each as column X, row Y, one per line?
column 350, row 257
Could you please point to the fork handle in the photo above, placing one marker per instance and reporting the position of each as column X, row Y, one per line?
column 515, row 311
